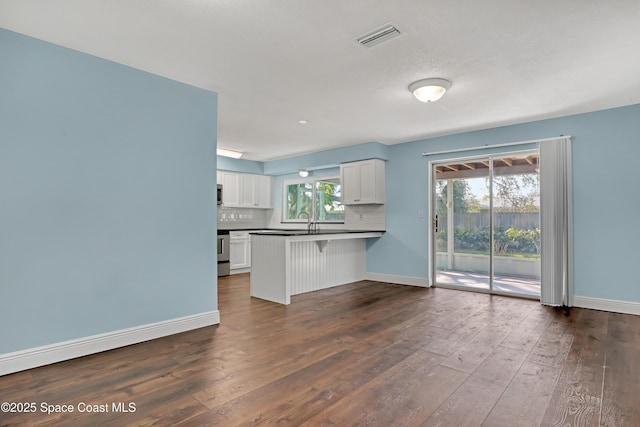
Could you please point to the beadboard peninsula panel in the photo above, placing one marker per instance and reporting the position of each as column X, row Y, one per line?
column 339, row 262
column 289, row 265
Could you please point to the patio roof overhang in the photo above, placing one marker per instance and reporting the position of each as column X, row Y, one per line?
column 480, row 167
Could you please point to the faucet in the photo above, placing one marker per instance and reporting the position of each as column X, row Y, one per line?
column 309, row 223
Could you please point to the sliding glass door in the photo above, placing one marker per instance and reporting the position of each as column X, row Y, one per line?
column 516, row 225
column 486, row 228
column 462, row 234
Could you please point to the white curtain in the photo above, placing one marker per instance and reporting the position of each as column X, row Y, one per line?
column 556, row 222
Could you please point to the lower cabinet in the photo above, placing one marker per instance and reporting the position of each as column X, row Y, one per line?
column 239, row 252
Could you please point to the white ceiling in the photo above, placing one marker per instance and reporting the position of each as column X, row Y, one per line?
column 276, row 62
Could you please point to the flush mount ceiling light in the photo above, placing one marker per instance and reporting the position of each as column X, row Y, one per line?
column 303, row 173
column 229, row 153
column 429, row 90
column 303, row 122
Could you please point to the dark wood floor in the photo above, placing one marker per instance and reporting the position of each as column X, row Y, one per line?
column 362, row 354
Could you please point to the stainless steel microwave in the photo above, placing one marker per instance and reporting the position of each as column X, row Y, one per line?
column 219, row 194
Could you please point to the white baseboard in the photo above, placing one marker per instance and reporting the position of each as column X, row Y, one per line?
column 53, row 353
column 400, row 280
column 615, row 306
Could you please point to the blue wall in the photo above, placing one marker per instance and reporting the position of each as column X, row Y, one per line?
column 107, row 217
column 606, row 146
column 240, row 165
column 327, row 159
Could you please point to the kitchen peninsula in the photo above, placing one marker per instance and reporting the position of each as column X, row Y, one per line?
column 291, row 262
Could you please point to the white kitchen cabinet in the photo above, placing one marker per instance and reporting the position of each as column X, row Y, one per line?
column 230, row 189
column 243, row 190
column 239, row 251
column 263, row 186
column 362, row 182
column 256, row 191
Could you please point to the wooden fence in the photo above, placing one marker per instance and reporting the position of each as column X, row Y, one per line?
column 523, row 220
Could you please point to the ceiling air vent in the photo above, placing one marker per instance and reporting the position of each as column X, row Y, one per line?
column 378, row 35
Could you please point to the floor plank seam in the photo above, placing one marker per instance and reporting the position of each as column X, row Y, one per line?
column 604, row 371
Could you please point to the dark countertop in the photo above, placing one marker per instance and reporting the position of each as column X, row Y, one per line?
column 305, row 232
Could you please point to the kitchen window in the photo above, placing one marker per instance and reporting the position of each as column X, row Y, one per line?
column 318, row 199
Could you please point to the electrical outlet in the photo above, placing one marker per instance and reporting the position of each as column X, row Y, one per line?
column 420, row 214
column 361, row 217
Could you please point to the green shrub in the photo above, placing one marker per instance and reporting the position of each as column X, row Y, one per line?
column 525, row 241
column 507, row 241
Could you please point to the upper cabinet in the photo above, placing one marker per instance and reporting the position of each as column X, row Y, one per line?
column 362, row 182
column 230, row 189
column 256, row 191
column 241, row 190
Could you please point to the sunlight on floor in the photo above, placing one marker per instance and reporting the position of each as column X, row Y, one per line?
column 508, row 284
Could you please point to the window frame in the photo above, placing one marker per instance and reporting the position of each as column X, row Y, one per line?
column 313, row 181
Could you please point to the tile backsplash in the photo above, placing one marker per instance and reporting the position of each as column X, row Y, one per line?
column 239, row 218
